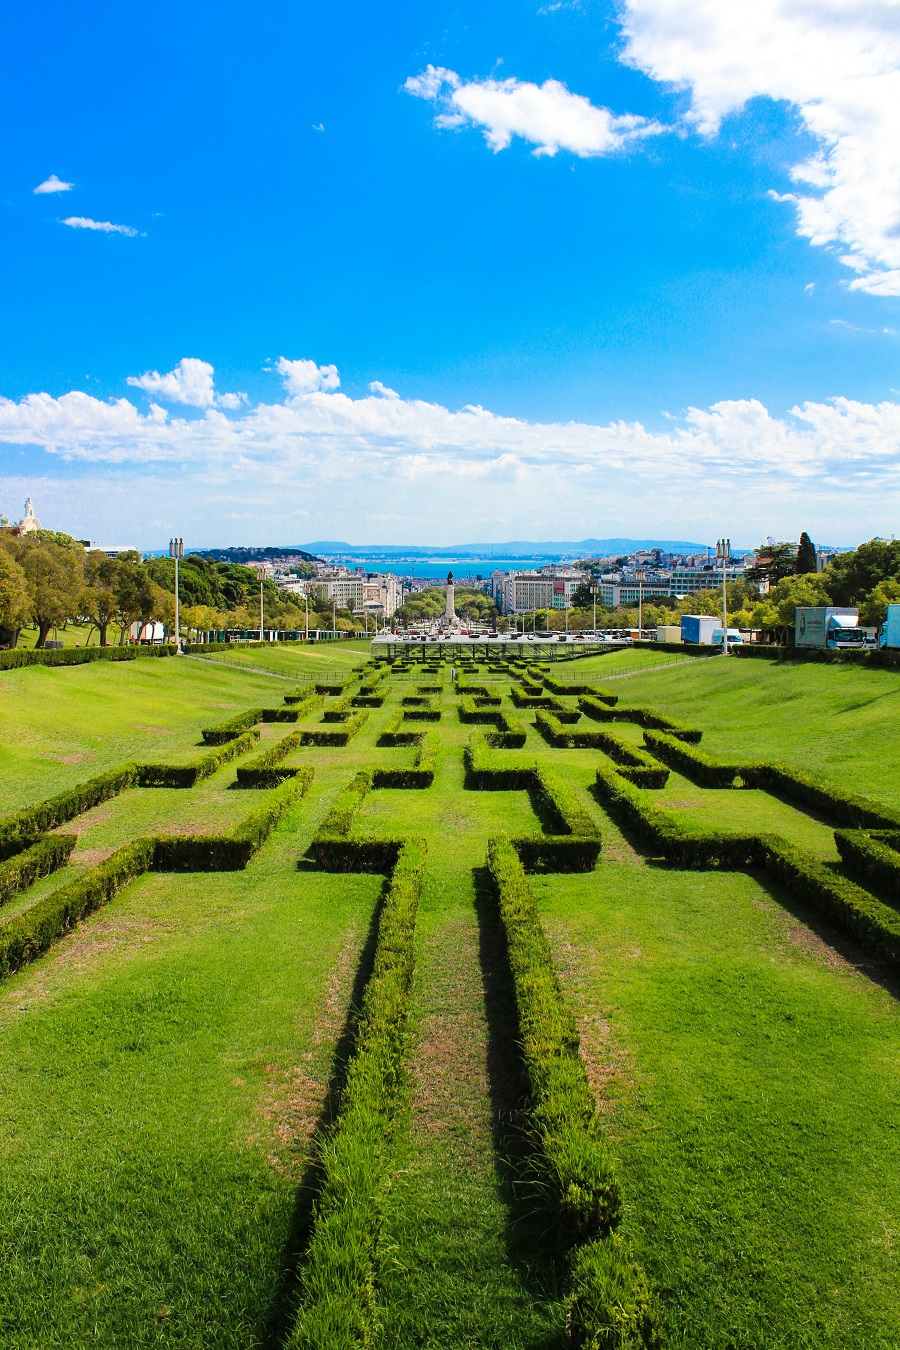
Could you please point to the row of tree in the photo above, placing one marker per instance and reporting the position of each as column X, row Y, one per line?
column 49, row 580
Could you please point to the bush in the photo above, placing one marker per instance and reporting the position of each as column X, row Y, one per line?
column 29, row 934
column 339, row 1274
column 590, row 691
column 227, row 731
column 509, row 734
column 845, row 808
column 22, row 828
column 332, row 848
column 483, row 775
column 229, row 852
column 642, row 717
column 611, row 1307
column 421, row 714
column 267, row 770
column 875, row 861
column 339, row 711
column 44, row 857
column 421, row 775
column 525, row 700
column 77, row 656
column 322, row 735
column 397, row 732
column 188, row 775
column 693, row 763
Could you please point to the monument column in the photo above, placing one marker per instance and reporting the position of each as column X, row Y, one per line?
column 450, row 610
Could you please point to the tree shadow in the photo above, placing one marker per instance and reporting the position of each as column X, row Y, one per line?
column 530, row 1233
column 283, row 1306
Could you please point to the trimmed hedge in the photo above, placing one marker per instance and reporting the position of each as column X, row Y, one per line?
column 32, row 932
column 642, row 717
column 875, row 861
column 229, row 852
column 398, row 732
column 267, row 770
column 333, row 850
column 482, row 774
column 846, row 904
column 548, row 701
column 589, row 690
column 578, row 1173
column 22, row 828
column 881, row 659
column 845, row 808
column 234, row 726
column 44, row 857
column 693, row 763
column 635, row 764
column 323, row 735
column 422, row 714
column 340, row 1272
column 421, row 775
column 77, row 656
column 188, row 775
column 509, row 733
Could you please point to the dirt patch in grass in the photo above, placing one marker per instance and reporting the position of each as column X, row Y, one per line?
column 294, row 1099
column 816, row 947
column 605, row 1060
column 155, row 731
column 91, row 857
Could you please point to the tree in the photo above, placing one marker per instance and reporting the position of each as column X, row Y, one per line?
column 137, row 594
column 806, row 556
column 14, row 599
column 853, row 576
column 873, row 610
column 98, row 601
column 773, row 561
column 55, row 575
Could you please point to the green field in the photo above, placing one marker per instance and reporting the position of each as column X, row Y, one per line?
column 170, row 1067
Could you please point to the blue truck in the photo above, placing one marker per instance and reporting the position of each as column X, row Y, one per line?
column 889, row 632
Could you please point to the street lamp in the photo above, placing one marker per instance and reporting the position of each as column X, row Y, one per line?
column 595, row 591
column 306, row 598
column 176, row 551
column 723, row 552
column 261, row 614
column 640, row 576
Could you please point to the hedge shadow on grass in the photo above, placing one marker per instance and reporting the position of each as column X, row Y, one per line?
column 283, row 1308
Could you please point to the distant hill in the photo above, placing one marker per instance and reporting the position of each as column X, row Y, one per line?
column 525, row 548
column 249, row 555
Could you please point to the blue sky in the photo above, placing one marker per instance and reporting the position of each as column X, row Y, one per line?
column 655, row 247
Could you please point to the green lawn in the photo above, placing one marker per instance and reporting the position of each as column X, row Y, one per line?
column 164, row 1066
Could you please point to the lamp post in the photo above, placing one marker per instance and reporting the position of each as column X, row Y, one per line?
column 306, row 598
column 261, row 615
column 640, row 576
column 723, row 553
column 176, row 551
column 595, row 591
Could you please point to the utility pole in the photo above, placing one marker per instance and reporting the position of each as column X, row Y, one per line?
column 176, row 551
column 723, row 552
column 640, row 576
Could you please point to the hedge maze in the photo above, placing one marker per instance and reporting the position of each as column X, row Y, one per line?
column 508, row 729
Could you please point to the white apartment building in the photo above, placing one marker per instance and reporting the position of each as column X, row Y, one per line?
column 377, row 593
column 524, row 592
column 615, row 593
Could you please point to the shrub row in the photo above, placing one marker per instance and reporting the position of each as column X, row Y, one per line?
column 845, row 903
column 24, row 869
column 611, row 1303
column 397, row 731
column 874, row 860
column 591, row 691
column 689, row 760
column 432, row 713
column 188, row 775
column 29, row 934
column 333, row 850
column 342, row 735
column 421, row 775
column 77, row 656
column 226, row 731
column 267, row 769
column 417, row 701
column 642, row 717
column 635, row 764
column 483, row 774
column 340, row 1271
column 229, row 852
column 882, row 659
column 32, row 932
column 21, row 828
column 845, row 808
column 508, row 734
column 548, row 701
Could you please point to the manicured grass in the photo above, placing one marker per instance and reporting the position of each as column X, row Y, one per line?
column 163, row 1070
column 832, row 720
column 164, row 1066
column 749, row 1075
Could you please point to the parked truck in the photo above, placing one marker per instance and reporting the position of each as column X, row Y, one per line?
column 706, row 631
column 827, row 626
column 889, row 632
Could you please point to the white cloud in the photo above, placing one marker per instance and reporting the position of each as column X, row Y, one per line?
column 305, row 377
column 378, row 388
column 190, row 382
column 106, row 226
column 548, row 116
column 837, row 64
column 52, row 184
column 362, row 459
